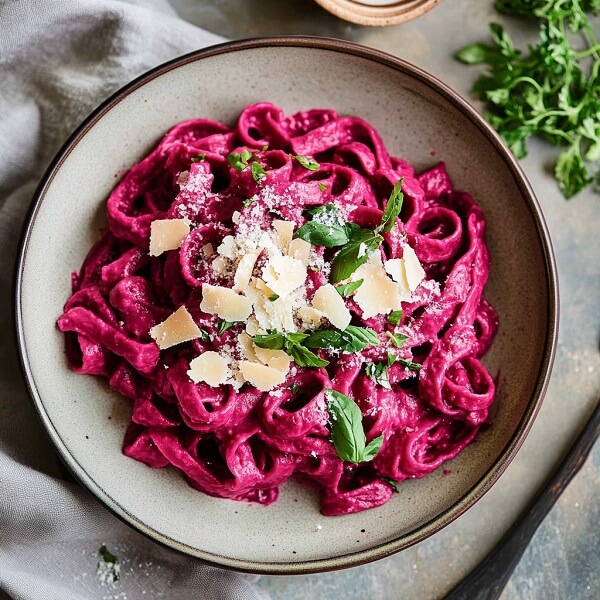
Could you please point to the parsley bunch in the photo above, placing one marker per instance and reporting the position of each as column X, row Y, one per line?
column 552, row 91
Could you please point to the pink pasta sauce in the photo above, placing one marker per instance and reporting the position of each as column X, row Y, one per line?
column 238, row 442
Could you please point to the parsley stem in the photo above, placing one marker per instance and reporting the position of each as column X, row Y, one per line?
column 593, row 50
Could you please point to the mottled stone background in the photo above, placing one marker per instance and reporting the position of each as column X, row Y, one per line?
column 563, row 561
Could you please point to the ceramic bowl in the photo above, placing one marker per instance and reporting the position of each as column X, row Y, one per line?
column 378, row 13
column 417, row 117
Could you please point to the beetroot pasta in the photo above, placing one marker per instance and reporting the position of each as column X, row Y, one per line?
column 286, row 297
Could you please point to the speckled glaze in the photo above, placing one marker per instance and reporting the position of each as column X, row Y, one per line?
column 378, row 15
column 418, row 117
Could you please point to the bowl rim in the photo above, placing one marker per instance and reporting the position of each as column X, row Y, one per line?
column 384, row 15
column 401, row 542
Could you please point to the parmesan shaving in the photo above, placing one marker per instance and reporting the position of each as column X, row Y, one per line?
column 225, row 303
column 310, row 317
column 414, row 271
column 300, row 250
column 176, row 329
column 244, row 270
column 285, row 231
column 332, row 305
column 261, row 376
column 167, row 234
column 210, row 367
column 277, row 359
column 378, row 294
column 283, row 274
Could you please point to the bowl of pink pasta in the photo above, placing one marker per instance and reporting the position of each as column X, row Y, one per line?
column 280, row 321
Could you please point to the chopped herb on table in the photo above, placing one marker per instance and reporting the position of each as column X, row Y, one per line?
column 551, row 91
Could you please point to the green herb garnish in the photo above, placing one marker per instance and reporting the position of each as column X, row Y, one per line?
column 397, row 339
column 291, row 343
column 111, row 573
column 347, row 430
column 351, row 339
column 274, row 297
column 378, row 373
column 392, row 208
column 224, row 326
column 392, row 483
column 353, row 255
column 204, row 335
column 294, row 388
column 308, row 162
column 199, row 157
column 551, row 91
column 409, row 364
column 395, row 317
column 248, row 202
column 346, row 289
column 319, row 234
column 258, row 173
column 322, row 187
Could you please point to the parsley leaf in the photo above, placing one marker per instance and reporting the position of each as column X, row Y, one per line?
column 409, row 364
column 395, row 317
column 107, row 556
column 258, row 173
column 397, row 339
column 224, row 326
column 378, row 373
column 551, row 91
column 347, row 430
column 346, row 289
column 308, row 162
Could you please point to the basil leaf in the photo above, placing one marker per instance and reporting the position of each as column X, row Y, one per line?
column 322, row 187
column 198, row 157
column 358, row 338
column 204, row 336
column 372, row 448
column 392, row 208
column 236, row 161
column 308, row 162
column 295, row 337
column 395, row 317
column 352, row 339
column 224, row 326
column 303, row 357
column 324, row 338
column 258, row 173
column 393, row 484
column 322, row 235
column 346, row 426
column 107, row 556
column 352, row 256
column 346, row 289
column 409, row 364
column 391, row 359
column 397, row 339
column 377, row 372
column 271, row 341
column 273, row 297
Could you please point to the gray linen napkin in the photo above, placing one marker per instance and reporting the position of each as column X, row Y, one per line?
column 58, row 60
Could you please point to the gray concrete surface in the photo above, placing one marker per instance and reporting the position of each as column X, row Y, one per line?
column 563, row 561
